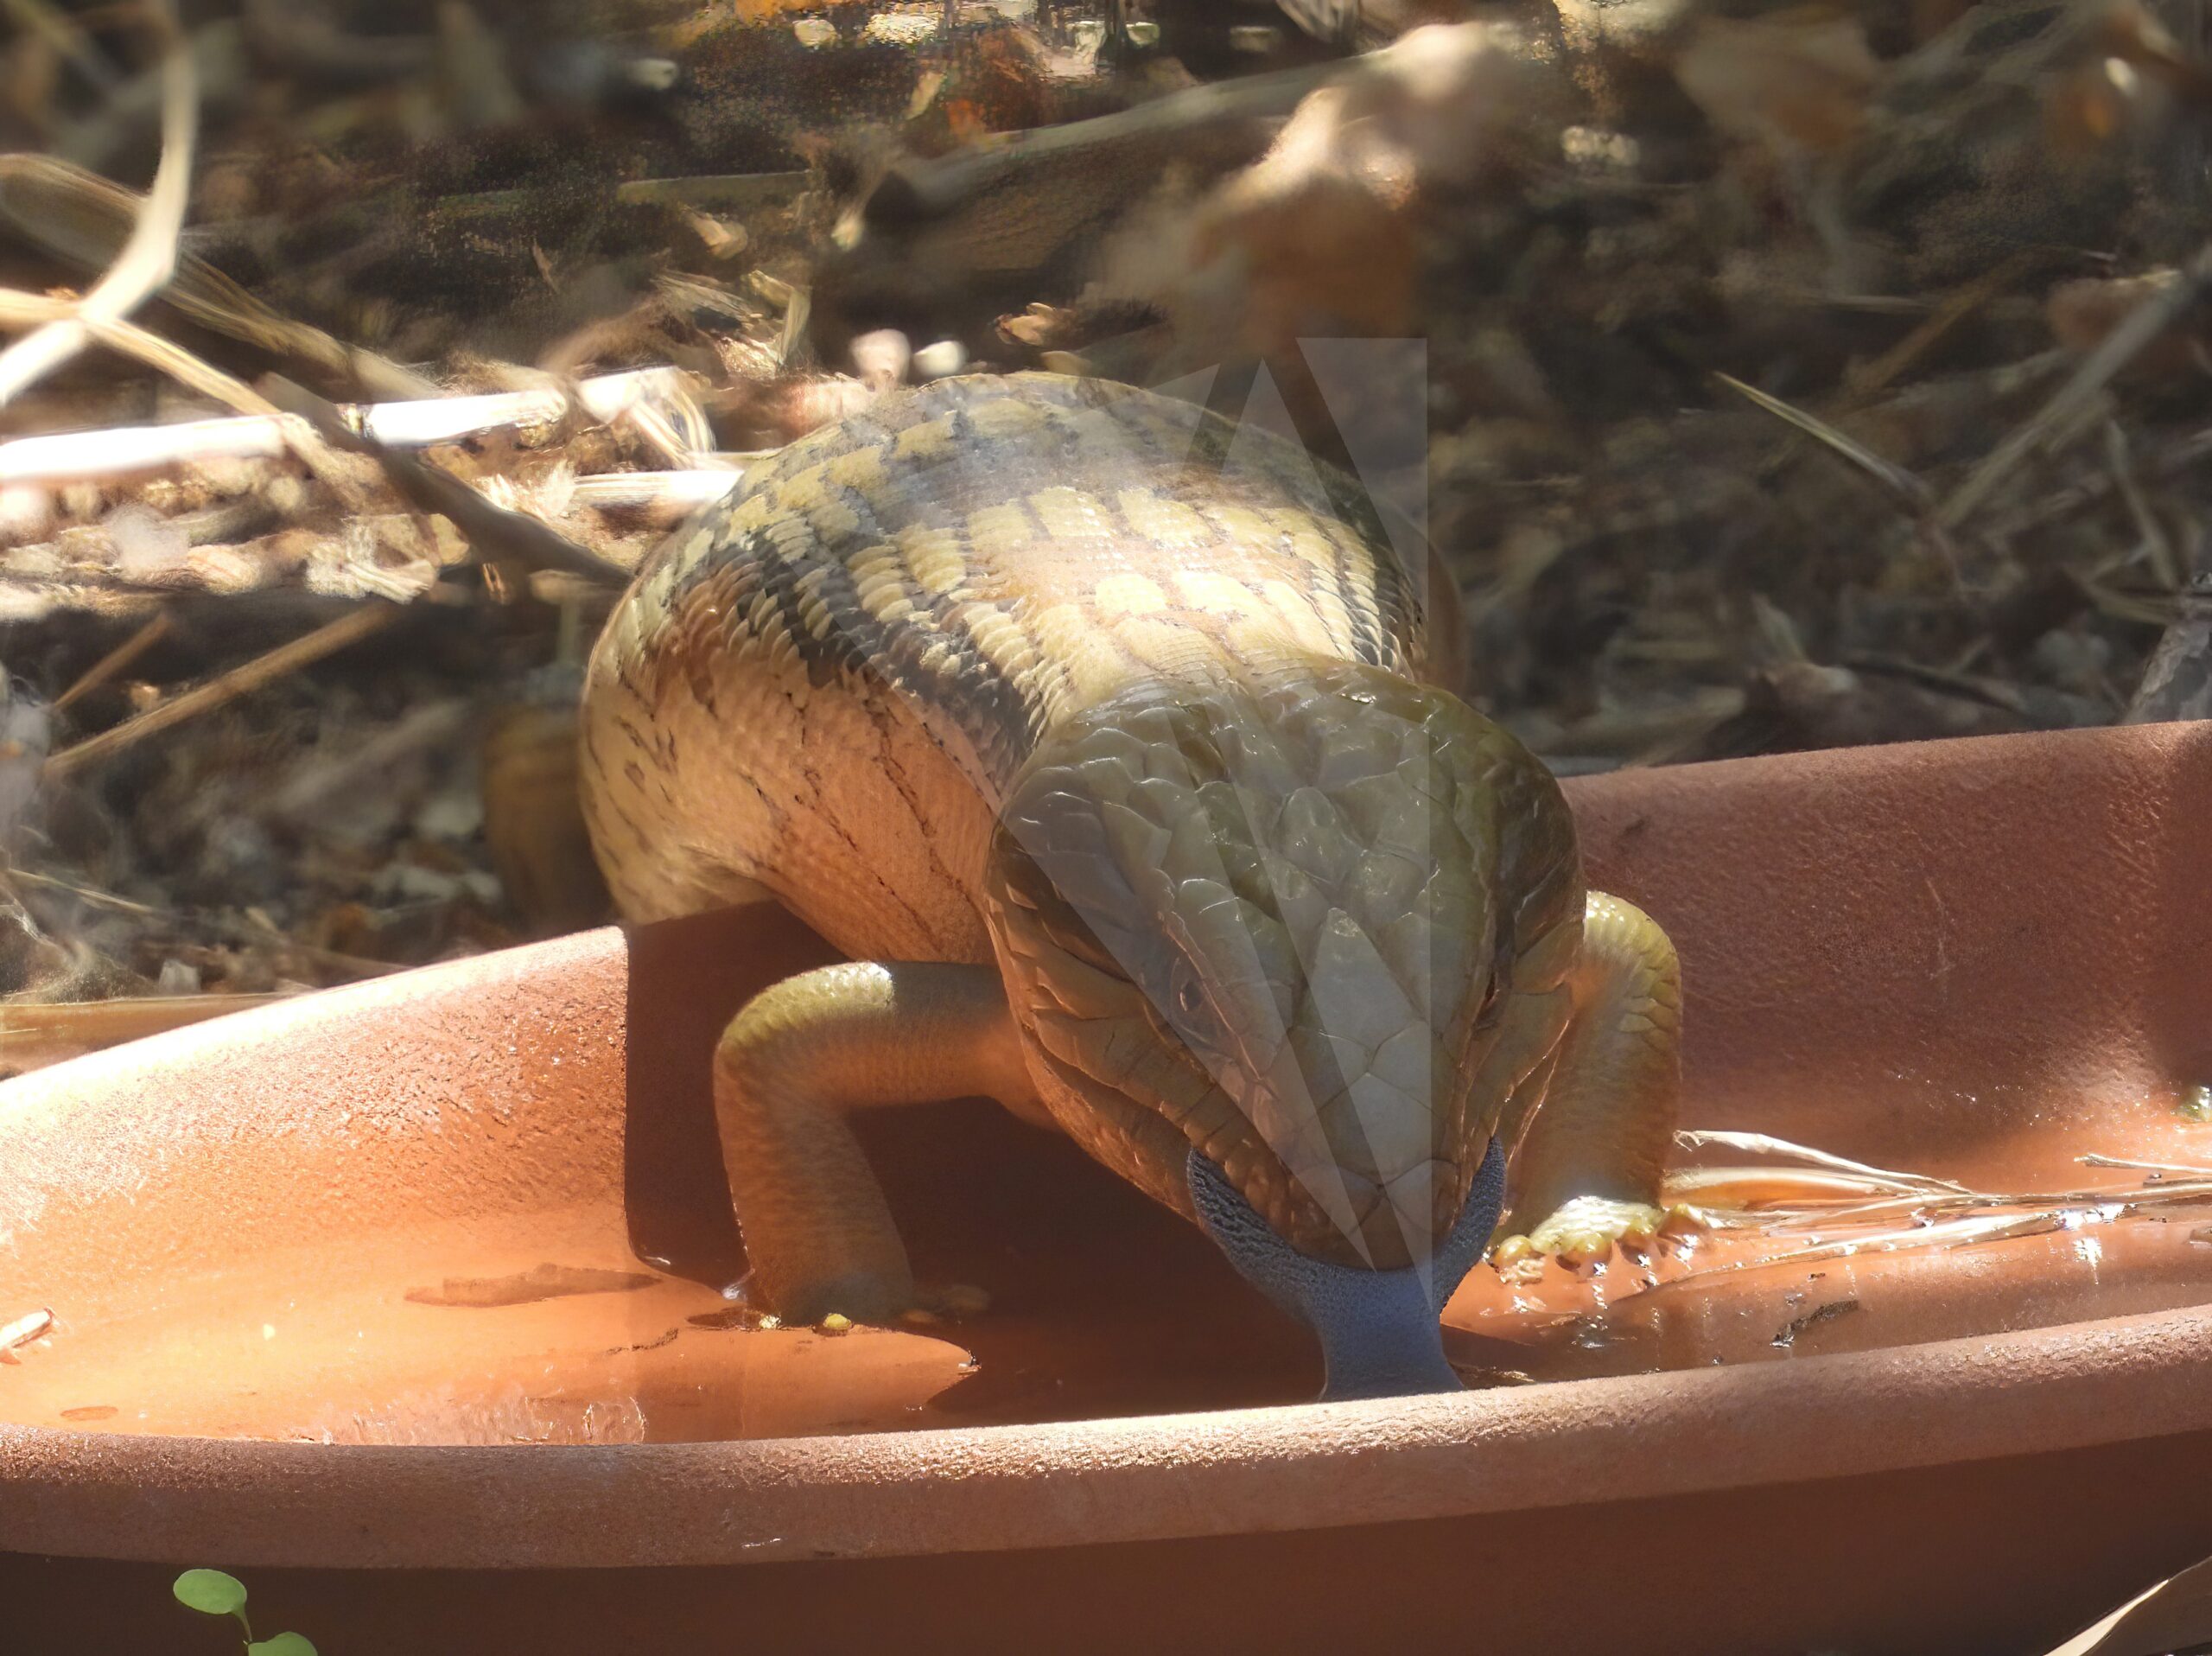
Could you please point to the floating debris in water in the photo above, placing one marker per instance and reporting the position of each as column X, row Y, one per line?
column 1812, row 1319
column 836, row 1323
column 649, row 1345
column 22, row 1331
column 544, row 1282
column 1480, row 1379
column 963, row 1299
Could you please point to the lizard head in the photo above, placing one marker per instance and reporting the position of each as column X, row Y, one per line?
column 1314, row 931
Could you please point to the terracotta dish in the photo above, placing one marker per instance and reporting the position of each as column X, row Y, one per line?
column 404, row 1302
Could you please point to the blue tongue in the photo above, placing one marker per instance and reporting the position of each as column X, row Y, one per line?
column 1379, row 1334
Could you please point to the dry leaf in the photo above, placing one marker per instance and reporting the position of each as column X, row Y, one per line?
column 2083, row 313
column 1319, row 235
column 1793, row 82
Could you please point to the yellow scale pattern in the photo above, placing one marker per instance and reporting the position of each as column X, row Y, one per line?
column 955, row 569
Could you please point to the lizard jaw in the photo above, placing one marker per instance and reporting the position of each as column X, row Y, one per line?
column 1378, row 1329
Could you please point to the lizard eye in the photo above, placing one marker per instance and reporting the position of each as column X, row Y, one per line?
column 1184, row 1014
column 1192, row 1007
column 1492, row 991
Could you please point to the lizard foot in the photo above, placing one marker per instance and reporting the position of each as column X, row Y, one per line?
column 857, row 1295
column 947, row 1301
column 1582, row 1232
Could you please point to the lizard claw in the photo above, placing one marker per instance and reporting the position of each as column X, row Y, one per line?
column 857, row 1295
column 866, row 1297
column 1583, row 1232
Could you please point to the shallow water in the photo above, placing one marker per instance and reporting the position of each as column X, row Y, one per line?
column 1727, row 1298
column 354, row 1346
column 546, row 1328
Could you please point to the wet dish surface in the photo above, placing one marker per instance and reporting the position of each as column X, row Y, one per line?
column 303, row 1168
column 555, row 1326
column 548, row 1329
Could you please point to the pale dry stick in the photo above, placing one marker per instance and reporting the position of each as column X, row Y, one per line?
column 128, row 338
column 2163, row 1616
column 660, row 434
column 1893, row 476
column 35, row 1034
column 262, row 433
column 747, row 191
column 1955, row 1233
column 119, row 452
column 1878, row 376
column 15, row 877
column 2143, row 612
column 145, row 264
column 300, row 436
column 1739, row 1188
column 264, row 669
column 944, row 183
column 1918, row 1210
column 149, row 256
column 32, row 1325
column 1768, row 1145
column 493, row 532
column 2096, row 1159
column 2155, row 540
column 2067, row 405
column 83, row 219
column 662, row 410
column 2087, row 493
column 359, row 965
column 680, row 491
column 1817, row 1216
column 115, row 661
column 420, row 422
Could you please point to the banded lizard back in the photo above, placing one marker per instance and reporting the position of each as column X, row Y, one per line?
column 1103, row 729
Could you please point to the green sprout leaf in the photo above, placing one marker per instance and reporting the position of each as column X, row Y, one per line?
column 284, row 1644
column 210, row 1592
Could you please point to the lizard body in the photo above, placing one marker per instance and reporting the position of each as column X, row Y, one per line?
column 1105, row 737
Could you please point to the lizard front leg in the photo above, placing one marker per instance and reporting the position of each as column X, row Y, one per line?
column 800, row 1054
column 1595, row 1151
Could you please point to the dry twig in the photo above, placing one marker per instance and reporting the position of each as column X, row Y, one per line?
column 149, row 255
column 115, row 661
column 2154, row 317
column 347, row 629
